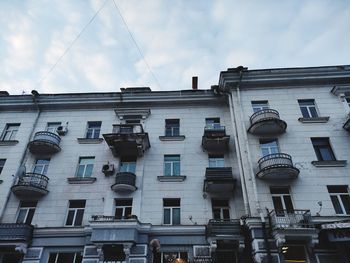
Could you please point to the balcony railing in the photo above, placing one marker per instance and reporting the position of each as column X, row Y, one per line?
column 266, row 121
column 45, row 143
column 277, row 166
column 219, row 179
column 103, row 218
column 31, row 186
column 124, row 182
column 215, row 139
column 16, row 232
column 223, row 227
column 127, row 140
column 286, row 219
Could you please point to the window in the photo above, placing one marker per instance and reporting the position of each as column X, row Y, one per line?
column 86, row 164
column 260, row 105
column 308, row 108
column 52, row 126
column 171, row 165
column 127, row 164
column 2, row 164
column 41, row 166
column 26, row 212
column 216, row 161
column 282, row 200
column 172, row 127
column 172, row 257
column 212, row 123
column 65, row 257
column 323, row 149
column 348, row 101
column 75, row 212
column 93, row 129
column 10, row 132
column 123, row 208
column 340, row 198
column 268, row 147
column 221, row 209
column 171, row 211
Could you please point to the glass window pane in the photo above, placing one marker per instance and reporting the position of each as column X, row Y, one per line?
column 65, row 258
column 52, row 258
column 127, row 211
column 79, row 217
column 346, row 203
column 216, row 213
column 288, row 203
column 21, row 215
column 313, row 112
column 166, row 215
column 118, row 213
column 326, row 154
column 277, row 204
column 176, row 168
column 167, row 169
column 336, row 205
column 176, row 216
column 80, row 172
column 305, row 112
column 226, row 213
column 70, row 217
column 88, row 170
column 30, row 216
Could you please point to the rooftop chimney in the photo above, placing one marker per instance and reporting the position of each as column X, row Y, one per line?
column 194, row 82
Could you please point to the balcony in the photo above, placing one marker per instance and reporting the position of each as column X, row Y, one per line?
column 214, row 139
column 277, row 166
column 31, row 186
column 227, row 227
column 45, row 143
column 124, row 182
column 267, row 122
column 14, row 232
column 127, row 140
column 219, row 180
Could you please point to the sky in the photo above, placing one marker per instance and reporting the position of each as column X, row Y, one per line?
column 175, row 40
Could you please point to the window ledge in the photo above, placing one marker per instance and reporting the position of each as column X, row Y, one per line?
column 172, row 138
column 8, row 143
column 340, row 163
column 175, row 178
column 81, row 180
column 314, row 120
column 89, row 141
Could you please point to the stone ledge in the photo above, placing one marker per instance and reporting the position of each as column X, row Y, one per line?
column 176, row 178
column 340, row 163
column 314, row 120
column 81, row 180
column 172, row 138
column 89, row 141
column 8, row 143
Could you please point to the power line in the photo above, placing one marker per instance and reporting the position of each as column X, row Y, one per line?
column 137, row 46
column 72, row 43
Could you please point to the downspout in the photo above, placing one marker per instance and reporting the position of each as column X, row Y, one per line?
column 21, row 168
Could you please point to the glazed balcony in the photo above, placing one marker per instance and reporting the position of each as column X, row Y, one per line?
column 45, row 143
column 266, row 122
column 125, row 182
column 215, row 139
column 127, row 140
column 16, row 232
column 219, row 180
column 277, row 166
column 31, row 186
column 284, row 219
column 223, row 227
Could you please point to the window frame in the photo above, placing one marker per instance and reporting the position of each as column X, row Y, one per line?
column 129, row 164
column 174, row 126
column 124, row 208
column 45, row 166
column 93, row 130
column 53, row 125
column 259, row 105
column 2, row 164
column 216, row 160
column 75, row 209
column 171, row 209
column 326, row 145
column 338, row 195
column 266, row 144
column 221, row 208
column 57, row 254
column 173, row 164
column 282, row 196
column 13, row 132
column 85, row 166
column 28, row 208
column 309, row 104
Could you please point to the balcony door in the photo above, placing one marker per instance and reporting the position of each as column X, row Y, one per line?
column 221, row 209
column 282, row 201
column 226, row 251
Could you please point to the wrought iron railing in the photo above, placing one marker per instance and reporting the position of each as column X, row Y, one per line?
column 125, row 178
column 103, row 218
column 46, row 136
column 275, row 160
column 34, row 180
column 296, row 218
column 214, row 127
column 263, row 115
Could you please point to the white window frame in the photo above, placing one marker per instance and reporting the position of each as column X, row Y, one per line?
column 75, row 209
column 123, row 207
column 171, row 209
column 12, row 129
column 174, row 130
column 27, row 209
column 216, row 162
column 44, row 166
column 129, row 166
column 2, row 164
column 172, row 165
column 270, row 149
column 222, row 208
column 93, row 129
column 311, row 105
column 338, row 196
column 92, row 159
column 281, row 197
column 258, row 105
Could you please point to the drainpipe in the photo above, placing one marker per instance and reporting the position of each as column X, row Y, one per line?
column 21, row 169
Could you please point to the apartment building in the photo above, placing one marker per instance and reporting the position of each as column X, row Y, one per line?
column 252, row 170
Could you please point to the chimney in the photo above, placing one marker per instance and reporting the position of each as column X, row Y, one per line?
column 194, row 82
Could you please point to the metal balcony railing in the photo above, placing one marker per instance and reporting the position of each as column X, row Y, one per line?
column 218, row 173
column 127, row 128
column 125, row 178
column 264, row 115
column 214, row 127
column 16, row 232
column 275, row 160
column 103, row 218
column 223, row 227
column 34, row 180
column 46, row 136
column 296, row 218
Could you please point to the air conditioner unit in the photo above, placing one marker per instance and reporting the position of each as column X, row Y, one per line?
column 62, row 130
column 108, row 169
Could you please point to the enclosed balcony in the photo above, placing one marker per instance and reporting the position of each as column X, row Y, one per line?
column 266, row 122
column 125, row 182
column 127, row 140
column 16, row 232
column 219, row 180
column 228, row 227
column 31, row 186
column 214, row 139
column 277, row 166
column 45, row 143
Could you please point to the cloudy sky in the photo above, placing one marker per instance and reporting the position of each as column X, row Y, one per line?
column 178, row 39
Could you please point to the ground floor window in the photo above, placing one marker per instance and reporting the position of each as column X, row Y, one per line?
column 294, row 254
column 172, row 257
column 65, row 257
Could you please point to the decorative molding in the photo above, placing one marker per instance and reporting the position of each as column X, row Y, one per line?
column 81, row 180
column 314, row 120
column 8, row 143
column 121, row 112
column 175, row 178
column 89, row 140
column 172, row 138
column 337, row 163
